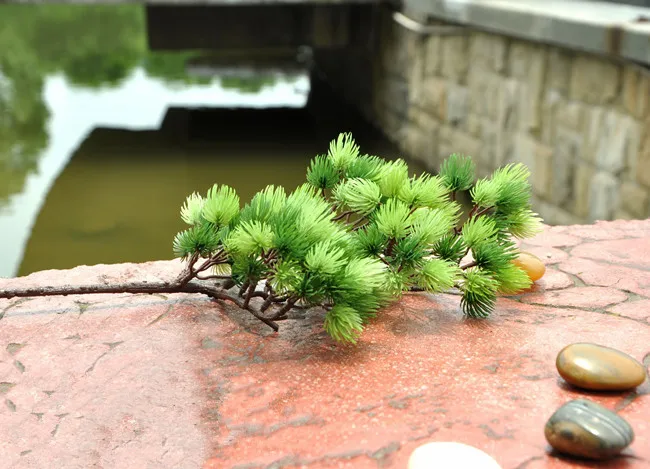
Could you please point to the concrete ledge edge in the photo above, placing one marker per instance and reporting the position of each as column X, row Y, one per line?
column 615, row 30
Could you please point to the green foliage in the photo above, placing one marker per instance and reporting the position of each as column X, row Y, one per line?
column 250, row 238
column 437, row 275
column 477, row 230
column 457, row 172
column 365, row 167
column 221, row 205
column 343, row 151
column 361, row 195
column 479, row 293
column 343, row 323
column 450, row 248
column 393, row 177
column 424, row 191
column 377, row 233
column 322, row 174
column 201, row 239
column 192, row 210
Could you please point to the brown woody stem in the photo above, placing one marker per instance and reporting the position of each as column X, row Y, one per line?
column 216, row 291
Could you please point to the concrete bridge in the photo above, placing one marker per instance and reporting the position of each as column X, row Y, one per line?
column 561, row 85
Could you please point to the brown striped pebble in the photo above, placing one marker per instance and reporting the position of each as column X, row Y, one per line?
column 585, row 429
column 595, row 367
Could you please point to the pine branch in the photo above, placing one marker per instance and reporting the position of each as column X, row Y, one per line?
column 483, row 211
column 390, row 247
column 212, row 290
column 249, row 295
column 282, row 312
column 212, row 277
column 343, row 215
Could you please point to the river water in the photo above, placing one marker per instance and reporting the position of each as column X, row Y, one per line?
column 101, row 140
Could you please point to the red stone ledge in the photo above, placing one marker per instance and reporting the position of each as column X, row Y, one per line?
column 179, row 381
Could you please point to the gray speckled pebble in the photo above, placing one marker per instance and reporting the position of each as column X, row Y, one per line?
column 586, row 429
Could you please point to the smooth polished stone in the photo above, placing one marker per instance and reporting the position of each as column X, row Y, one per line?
column 443, row 454
column 585, row 429
column 596, row 367
column 531, row 264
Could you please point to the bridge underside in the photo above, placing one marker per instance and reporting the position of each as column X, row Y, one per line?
column 258, row 26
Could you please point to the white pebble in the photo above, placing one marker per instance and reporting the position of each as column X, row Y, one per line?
column 443, row 455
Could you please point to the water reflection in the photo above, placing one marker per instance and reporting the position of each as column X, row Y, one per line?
column 139, row 103
column 100, row 140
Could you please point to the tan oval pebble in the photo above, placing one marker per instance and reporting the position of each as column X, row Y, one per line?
column 531, row 264
column 443, row 454
column 596, row 367
column 585, row 429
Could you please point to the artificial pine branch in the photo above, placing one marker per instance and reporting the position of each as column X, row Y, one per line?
column 380, row 233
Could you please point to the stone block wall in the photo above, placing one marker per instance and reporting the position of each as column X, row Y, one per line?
column 580, row 122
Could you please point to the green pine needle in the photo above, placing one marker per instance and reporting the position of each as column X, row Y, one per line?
column 396, row 283
column 437, row 275
column 479, row 293
column 361, row 195
column 361, row 275
column 247, row 269
column 424, row 191
column 365, row 167
column 478, row 230
column 522, row 224
column 450, row 248
column 509, row 192
column 457, row 172
column 250, row 238
column 221, row 205
column 325, row 259
column 394, row 176
column 391, row 218
column 369, row 241
column 485, row 193
column 495, row 255
column 201, row 239
column 432, row 224
column 322, row 174
column 514, row 188
column 265, row 204
column 288, row 277
column 343, row 323
column 409, row 252
column 512, row 279
column 343, row 151
column 192, row 209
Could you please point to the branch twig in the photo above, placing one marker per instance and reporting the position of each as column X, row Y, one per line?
column 216, row 291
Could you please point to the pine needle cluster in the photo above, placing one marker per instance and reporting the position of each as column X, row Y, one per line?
column 358, row 234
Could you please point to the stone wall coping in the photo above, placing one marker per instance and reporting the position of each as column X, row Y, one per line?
column 597, row 27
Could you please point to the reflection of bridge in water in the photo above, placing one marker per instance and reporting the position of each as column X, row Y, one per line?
column 119, row 191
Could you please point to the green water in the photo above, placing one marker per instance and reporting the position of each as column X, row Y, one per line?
column 101, row 140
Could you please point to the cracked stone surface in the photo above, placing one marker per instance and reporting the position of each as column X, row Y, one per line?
column 179, row 381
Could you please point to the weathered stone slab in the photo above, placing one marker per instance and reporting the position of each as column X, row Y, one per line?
column 180, row 381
